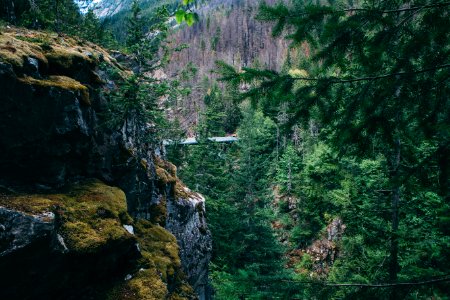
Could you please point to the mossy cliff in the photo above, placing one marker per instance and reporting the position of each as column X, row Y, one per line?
column 82, row 216
column 88, row 224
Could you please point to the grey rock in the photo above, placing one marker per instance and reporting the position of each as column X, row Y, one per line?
column 129, row 228
column 31, row 66
column 20, row 230
column 49, row 138
column 60, row 245
column 186, row 221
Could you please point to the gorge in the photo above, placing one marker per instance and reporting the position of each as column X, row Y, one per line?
column 237, row 149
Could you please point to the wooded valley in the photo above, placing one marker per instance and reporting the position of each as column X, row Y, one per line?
column 334, row 186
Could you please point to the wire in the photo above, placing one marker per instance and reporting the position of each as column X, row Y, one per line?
column 439, row 279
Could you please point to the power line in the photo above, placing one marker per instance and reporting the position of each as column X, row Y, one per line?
column 443, row 278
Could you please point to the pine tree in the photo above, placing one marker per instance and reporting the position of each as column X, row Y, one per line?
column 135, row 27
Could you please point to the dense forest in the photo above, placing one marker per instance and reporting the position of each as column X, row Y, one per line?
column 338, row 184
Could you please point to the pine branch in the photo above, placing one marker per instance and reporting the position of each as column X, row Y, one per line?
column 371, row 78
column 384, row 285
column 355, row 9
column 443, row 278
column 436, row 5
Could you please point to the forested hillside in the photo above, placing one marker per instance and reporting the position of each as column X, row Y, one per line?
column 226, row 31
column 338, row 185
column 334, row 185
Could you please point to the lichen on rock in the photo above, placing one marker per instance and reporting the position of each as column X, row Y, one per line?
column 88, row 219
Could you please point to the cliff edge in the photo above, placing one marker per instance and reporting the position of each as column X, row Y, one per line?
column 82, row 215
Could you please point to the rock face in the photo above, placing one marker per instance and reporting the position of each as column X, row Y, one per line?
column 322, row 252
column 103, row 8
column 18, row 230
column 185, row 219
column 52, row 137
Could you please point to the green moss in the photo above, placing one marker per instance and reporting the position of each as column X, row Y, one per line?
column 67, row 59
column 164, row 176
column 170, row 168
column 62, row 82
column 145, row 285
column 62, row 53
column 161, row 264
column 167, row 174
column 159, row 247
column 125, row 218
column 14, row 51
column 90, row 213
column 158, row 212
column 92, row 216
column 181, row 192
column 32, row 39
column 31, row 204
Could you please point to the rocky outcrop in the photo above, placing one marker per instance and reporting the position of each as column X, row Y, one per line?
column 185, row 219
column 317, row 259
column 18, row 230
column 52, row 139
column 184, row 212
column 103, row 8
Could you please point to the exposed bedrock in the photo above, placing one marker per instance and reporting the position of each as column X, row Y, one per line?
column 54, row 142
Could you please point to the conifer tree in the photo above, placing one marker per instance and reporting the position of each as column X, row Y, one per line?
column 377, row 84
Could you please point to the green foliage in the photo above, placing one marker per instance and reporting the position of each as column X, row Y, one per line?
column 374, row 85
column 135, row 106
column 135, row 26
column 185, row 14
column 94, row 31
column 288, row 169
column 58, row 15
column 247, row 258
column 215, row 39
column 61, row 16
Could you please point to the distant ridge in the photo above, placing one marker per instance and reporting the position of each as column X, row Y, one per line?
column 103, row 8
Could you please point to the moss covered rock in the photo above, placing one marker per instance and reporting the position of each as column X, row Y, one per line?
column 53, row 99
column 160, row 275
column 89, row 214
column 82, row 226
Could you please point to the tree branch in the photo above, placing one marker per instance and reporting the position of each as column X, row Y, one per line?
column 370, row 78
column 368, row 285
column 443, row 4
column 355, row 9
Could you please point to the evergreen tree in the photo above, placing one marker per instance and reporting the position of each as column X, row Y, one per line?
column 135, row 106
column 377, row 83
column 135, row 27
column 61, row 16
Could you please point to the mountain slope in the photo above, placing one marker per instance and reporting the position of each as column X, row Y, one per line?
column 103, row 8
column 226, row 31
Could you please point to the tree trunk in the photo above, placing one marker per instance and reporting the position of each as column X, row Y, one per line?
column 8, row 10
column 57, row 27
column 393, row 263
